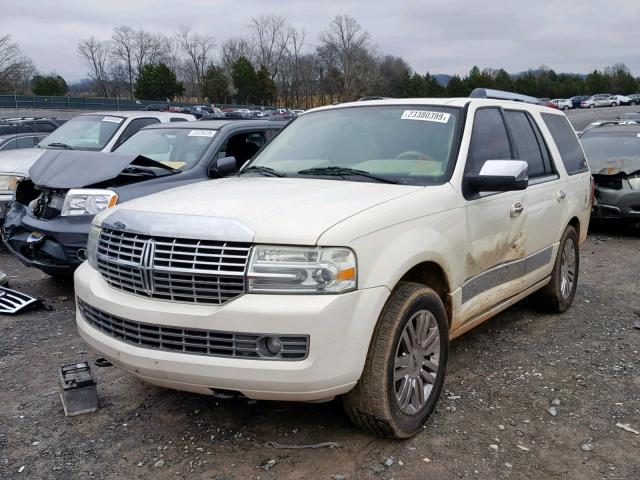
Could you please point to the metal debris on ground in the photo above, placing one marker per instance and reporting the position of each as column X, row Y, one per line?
column 12, row 301
column 637, row 325
column 314, row 445
column 4, row 278
column 102, row 362
column 267, row 465
column 627, row 428
column 79, row 394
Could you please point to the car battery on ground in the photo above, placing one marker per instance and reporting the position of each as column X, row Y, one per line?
column 79, row 394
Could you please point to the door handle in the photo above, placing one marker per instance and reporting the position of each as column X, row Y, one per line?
column 561, row 195
column 516, row 209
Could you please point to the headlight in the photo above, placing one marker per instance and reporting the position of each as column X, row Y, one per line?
column 86, row 201
column 281, row 269
column 635, row 183
column 92, row 246
column 9, row 183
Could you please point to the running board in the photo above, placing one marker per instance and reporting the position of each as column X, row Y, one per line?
column 12, row 301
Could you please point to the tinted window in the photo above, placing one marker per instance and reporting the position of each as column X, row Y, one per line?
column 489, row 140
column 525, row 142
column 567, row 143
column 25, row 142
column 44, row 127
column 134, row 126
column 8, row 129
column 178, row 119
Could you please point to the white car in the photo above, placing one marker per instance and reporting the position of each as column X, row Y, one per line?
column 621, row 99
column 560, row 104
column 96, row 131
column 601, row 100
column 344, row 258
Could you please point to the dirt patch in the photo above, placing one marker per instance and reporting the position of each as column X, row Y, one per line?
column 506, row 379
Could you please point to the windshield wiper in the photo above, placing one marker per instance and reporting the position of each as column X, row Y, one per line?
column 344, row 172
column 60, row 145
column 266, row 171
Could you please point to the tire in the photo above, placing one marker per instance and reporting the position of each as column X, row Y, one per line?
column 373, row 403
column 565, row 108
column 592, row 106
column 557, row 296
column 614, row 104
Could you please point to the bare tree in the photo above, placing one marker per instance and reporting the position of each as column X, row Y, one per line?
column 123, row 51
column 16, row 69
column 95, row 54
column 151, row 48
column 231, row 50
column 345, row 45
column 271, row 35
column 198, row 49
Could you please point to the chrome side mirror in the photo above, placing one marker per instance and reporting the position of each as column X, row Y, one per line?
column 500, row 176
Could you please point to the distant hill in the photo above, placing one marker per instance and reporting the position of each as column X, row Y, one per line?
column 443, row 79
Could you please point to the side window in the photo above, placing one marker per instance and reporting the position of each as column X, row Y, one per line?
column 525, row 143
column 489, row 140
column 134, row 126
column 45, row 127
column 10, row 145
column 567, row 143
column 24, row 142
column 177, row 119
column 243, row 146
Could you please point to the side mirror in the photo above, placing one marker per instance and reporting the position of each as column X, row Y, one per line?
column 222, row 167
column 500, row 176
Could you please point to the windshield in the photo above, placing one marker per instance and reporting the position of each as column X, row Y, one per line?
column 405, row 144
column 178, row 148
column 84, row 132
column 608, row 145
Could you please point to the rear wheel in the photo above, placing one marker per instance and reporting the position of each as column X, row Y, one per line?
column 592, row 106
column 558, row 294
column 566, row 107
column 614, row 104
column 406, row 365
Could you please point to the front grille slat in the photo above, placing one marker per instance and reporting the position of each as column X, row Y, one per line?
column 190, row 340
column 182, row 270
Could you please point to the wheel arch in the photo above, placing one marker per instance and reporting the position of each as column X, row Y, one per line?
column 431, row 274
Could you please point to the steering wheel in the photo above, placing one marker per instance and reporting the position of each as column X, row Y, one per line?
column 413, row 153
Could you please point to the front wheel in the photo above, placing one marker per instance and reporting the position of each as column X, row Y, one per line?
column 565, row 107
column 406, row 364
column 558, row 294
column 592, row 106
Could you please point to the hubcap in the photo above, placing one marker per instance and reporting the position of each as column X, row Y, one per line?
column 416, row 362
column 567, row 269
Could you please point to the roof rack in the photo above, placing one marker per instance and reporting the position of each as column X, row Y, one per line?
column 603, row 123
column 500, row 95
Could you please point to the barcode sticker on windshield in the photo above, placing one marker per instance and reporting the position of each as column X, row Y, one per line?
column 112, row 119
column 425, row 116
column 202, row 133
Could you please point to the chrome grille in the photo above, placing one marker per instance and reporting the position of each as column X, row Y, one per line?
column 194, row 341
column 176, row 269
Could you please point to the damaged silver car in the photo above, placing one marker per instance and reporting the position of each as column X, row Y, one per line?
column 613, row 152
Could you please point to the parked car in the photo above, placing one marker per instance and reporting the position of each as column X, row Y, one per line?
column 298, row 111
column 242, row 114
column 29, row 125
column 214, row 114
column 560, row 104
column 603, row 100
column 48, row 224
column 198, row 110
column 344, row 257
column 613, row 152
column 621, row 99
column 98, row 131
column 20, row 140
column 578, row 99
column 635, row 99
column 159, row 107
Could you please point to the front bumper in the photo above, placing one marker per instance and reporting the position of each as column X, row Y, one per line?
column 60, row 251
column 339, row 329
column 616, row 204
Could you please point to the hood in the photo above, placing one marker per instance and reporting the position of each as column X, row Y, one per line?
column 74, row 169
column 18, row 162
column 275, row 210
column 615, row 166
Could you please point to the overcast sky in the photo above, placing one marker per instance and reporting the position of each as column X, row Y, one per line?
column 443, row 36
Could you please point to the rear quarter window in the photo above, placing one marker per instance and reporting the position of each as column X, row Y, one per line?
column 567, row 142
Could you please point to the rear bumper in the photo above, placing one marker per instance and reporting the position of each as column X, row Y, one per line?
column 61, row 248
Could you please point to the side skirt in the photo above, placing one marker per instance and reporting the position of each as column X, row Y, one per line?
column 478, row 319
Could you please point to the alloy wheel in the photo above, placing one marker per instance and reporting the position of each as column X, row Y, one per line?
column 567, row 269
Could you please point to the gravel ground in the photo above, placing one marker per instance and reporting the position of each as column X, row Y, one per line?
column 528, row 395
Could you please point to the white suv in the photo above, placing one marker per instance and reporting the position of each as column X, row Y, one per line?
column 344, row 258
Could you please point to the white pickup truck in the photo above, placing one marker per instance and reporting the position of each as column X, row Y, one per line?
column 345, row 257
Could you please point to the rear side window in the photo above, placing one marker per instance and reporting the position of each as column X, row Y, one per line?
column 567, row 143
column 44, row 127
column 177, row 119
column 489, row 140
column 526, row 143
column 134, row 126
column 25, row 142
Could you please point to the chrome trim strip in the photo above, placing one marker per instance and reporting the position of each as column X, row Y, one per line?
column 504, row 273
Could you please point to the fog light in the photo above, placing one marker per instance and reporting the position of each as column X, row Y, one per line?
column 274, row 345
